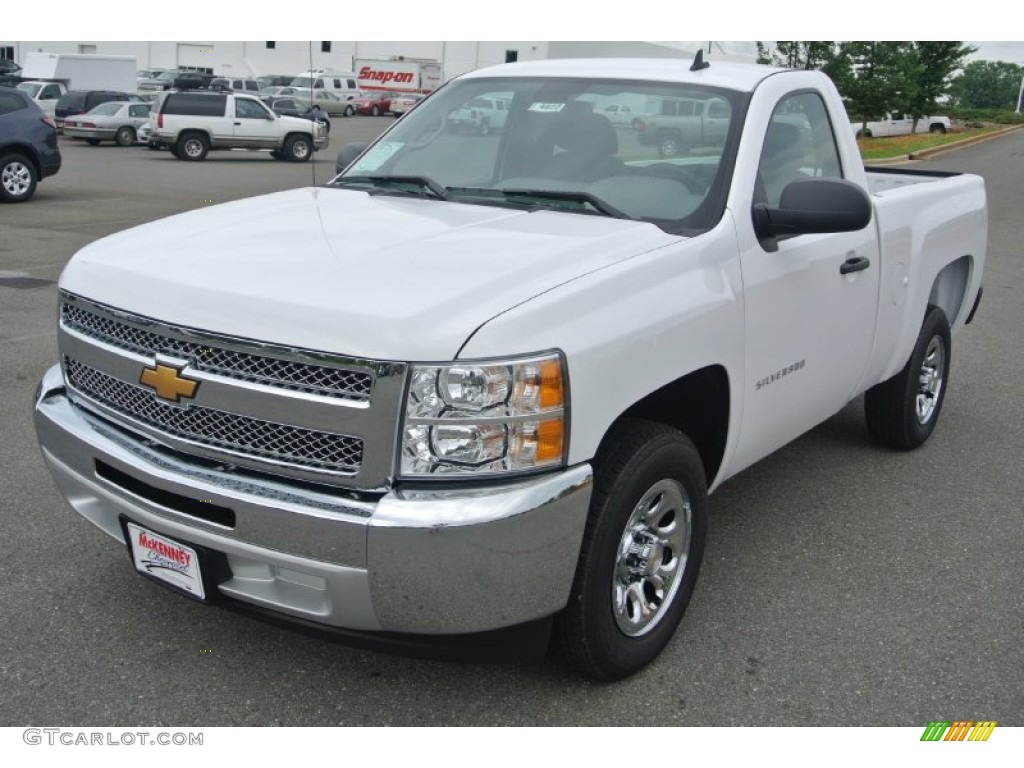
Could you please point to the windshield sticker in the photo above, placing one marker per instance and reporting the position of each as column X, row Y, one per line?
column 377, row 156
column 540, row 107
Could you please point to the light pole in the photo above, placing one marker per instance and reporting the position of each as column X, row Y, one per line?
column 1020, row 93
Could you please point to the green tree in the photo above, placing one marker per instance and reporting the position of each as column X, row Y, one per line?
column 797, row 54
column 930, row 69
column 987, row 84
column 878, row 81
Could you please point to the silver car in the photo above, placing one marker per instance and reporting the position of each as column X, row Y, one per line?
column 117, row 121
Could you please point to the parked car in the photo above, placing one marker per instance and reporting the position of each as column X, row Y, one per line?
column 28, row 146
column 79, row 102
column 148, row 74
column 481, row 114
column 162, row 82
column 274, row 81
column 236, row 84
column 329, row 102
column 373, row 103
column 191, row 123
column 900, row 124
column 619, row 114
column 45, row 94
column 117, row 121
column 402, row 104
column 296, row 107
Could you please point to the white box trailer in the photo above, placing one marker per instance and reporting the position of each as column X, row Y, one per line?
column 82, row 71
column 405, row 75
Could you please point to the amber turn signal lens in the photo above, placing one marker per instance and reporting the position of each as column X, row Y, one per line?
column 549, row 440
column 550, row 384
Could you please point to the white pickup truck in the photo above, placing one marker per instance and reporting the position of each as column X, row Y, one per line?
column 489, row 395
column 900, row 124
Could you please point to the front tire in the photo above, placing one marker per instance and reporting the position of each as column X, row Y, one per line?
column 937, row 128
column 18, row 178
column 349, row 111
column 641, row 551
column 902, row 412
column 298, row 148
column 93, row 142
column 375, row 111
column 485, row 128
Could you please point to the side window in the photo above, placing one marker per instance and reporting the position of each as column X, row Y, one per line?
column 249, row 108
column 318, row 84
column 138, row 110
column 897, row 116
column 50, row 92
column 352, row 84
column 10, row 102
column 799, row 144
column 337, row 83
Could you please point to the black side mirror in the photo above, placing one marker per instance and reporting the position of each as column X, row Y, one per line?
column 348, row 153
column 814, row 206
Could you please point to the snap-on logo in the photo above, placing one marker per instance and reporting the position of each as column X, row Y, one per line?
column 385, row 77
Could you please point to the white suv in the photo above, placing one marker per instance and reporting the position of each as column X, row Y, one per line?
column 191, row 123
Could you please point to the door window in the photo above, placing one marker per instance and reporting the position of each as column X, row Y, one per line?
column 249, row 108
column 799, row 144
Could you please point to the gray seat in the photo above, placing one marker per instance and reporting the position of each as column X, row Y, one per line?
column 582, row 145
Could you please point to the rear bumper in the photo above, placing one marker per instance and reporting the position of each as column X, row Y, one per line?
column 433, row 562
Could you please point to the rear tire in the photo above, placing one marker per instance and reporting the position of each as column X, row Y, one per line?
column 641, row 551
column 125, row 136
column 192, row 147
column 349, row 111
column 92, row 142
column 902, row 412
column 18, row 178
column 937, row 128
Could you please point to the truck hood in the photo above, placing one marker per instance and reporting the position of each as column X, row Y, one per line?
column 343, row 271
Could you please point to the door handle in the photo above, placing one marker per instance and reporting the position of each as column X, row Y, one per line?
column 237, row 123
column 854, row 264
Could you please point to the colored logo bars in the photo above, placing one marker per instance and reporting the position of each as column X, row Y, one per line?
column 959, row 730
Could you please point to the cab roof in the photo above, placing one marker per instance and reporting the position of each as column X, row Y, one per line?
column 721, row 74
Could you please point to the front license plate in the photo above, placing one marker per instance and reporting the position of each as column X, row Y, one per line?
column 165, row 560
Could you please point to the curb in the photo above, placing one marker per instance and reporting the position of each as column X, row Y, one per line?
column 932, row 151
column 923, row 154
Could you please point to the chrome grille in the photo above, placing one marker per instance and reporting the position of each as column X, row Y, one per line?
column 281, row 443
column 243, row 366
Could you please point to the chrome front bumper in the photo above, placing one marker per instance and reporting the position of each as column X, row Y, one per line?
column 412, row 561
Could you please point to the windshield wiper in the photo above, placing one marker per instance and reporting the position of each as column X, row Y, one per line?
column 425, row 183
column 545, row 194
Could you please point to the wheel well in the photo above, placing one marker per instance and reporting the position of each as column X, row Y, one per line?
column 698, row 406
column 950, row 286
column 26, row 152
column 196, row 132
column 288, row 137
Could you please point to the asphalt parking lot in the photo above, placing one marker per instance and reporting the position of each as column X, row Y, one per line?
column 842, row 584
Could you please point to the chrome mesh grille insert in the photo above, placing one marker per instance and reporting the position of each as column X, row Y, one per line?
column 243, row 366
column 281, row 443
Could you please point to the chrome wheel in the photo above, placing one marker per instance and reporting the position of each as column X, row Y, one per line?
column 930, row 379
column 651, row 558
column 193, row 148
column 16, row 178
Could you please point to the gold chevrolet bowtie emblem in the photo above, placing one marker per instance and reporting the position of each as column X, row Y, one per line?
column 168, row 382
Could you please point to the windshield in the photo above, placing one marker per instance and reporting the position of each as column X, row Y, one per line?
column 167, row 77
column 30, row 88
column 548, row 143
column 107, row 108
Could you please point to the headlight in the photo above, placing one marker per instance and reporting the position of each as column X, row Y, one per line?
column 485, row 417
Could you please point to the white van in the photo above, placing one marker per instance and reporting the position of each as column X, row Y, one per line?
column 337, row 83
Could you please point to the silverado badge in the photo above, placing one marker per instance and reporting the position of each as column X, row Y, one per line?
column 168, row 382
